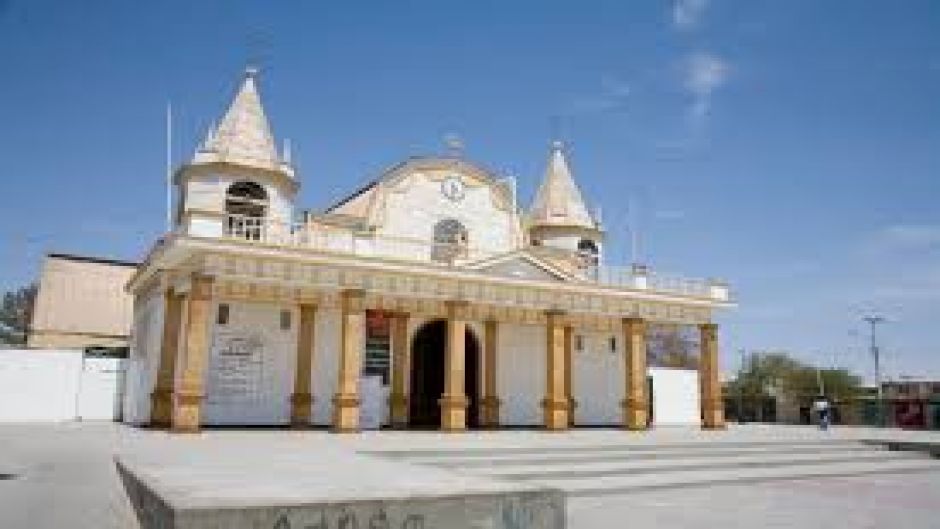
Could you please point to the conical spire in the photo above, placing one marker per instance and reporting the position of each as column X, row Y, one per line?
column 558, row 201
column 244, row 135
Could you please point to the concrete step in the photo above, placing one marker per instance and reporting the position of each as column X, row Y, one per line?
column 717, row 475
column 605, row 454
column 633, row 467
column 487, row 452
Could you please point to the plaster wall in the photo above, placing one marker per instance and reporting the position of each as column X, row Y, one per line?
column 520, row 376
column 597, row 379
column 415, row 205
column 143, row 359
column 250, row 372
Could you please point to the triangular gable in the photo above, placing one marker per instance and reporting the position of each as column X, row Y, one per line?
column 520, row 265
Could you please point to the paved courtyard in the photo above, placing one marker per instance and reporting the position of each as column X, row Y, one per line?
column 749, row 476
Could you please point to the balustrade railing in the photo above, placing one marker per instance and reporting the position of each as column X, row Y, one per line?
column 341, row 241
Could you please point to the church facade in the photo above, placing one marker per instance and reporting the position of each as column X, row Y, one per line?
column 426, row 299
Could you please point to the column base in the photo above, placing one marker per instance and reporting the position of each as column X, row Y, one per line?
column 398, row 410
column 300, row 409
column 161, row 408
column 187, row 412
column 635, row 414
column 489, row 412
column 713, row 419
column 555, row 413
column 453, row 412
column 345, row 413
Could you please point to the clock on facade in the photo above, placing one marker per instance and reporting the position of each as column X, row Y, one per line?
column 452, row 188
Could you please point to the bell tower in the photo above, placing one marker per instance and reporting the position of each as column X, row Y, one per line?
column 559, row 218
column 237, row 183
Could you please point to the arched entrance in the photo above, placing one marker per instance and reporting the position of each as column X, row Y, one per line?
column 427, row 375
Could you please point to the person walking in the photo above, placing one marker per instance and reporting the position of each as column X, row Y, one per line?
column 821, row 407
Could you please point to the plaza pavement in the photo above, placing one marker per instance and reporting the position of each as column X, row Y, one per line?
column 63, row 475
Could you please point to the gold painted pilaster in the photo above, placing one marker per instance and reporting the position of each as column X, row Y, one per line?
column 569, row 369
column 713, row 413
column 161, row 400
column 454, row 399
column 489, row 405
column 398, row 399
column 302, row 398
column 556, row 403
column 346, row 399
column 190, row 392
column 636, row 401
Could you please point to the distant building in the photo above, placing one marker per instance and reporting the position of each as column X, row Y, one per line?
column 82, row 304
column 912, row 403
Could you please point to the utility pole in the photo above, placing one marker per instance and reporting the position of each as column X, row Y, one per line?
column 741, row 390
column 873, row 321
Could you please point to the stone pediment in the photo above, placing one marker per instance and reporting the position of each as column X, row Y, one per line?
column 519, row 265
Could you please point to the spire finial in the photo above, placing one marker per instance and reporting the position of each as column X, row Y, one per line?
column 251, row 71
column 557, row 145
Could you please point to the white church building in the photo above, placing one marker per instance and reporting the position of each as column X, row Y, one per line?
column 426, row 299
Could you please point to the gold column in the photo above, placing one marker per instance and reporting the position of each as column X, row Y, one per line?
column 454, row 399
column 569, row 345
column 490, row 403
column 636, row 401
column 346, row 399
column 161, row 400
column 189, row 393
column 398, row 399
column 713, row 413
column 555, row 404
column 302, row 398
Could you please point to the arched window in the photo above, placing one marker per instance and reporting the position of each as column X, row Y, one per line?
column 587, row 249
column 246, row 205
column 450, row 240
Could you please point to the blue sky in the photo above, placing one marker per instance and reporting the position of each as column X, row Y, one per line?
column 792, row 148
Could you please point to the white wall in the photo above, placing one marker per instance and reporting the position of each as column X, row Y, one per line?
column 143, row 360
column 415, row 205
column 520, row 377
column 675, row 396
column 597, row 379
column 250, row 375
column 327, row 339
column 38, row 385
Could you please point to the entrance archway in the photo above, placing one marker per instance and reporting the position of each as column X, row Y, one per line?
column 427, row 375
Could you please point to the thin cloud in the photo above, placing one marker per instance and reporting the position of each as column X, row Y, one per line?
column 613, row 95
column 704, row 73
column 687, row 14
column 908, row 237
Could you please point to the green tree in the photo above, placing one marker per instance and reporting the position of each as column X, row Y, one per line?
column 16, row 313
column 777, row 374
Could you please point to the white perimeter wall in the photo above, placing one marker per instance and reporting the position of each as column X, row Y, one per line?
column 38, row 385
column 675, row 396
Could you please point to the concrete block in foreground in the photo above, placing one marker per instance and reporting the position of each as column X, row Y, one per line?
column 512, row 508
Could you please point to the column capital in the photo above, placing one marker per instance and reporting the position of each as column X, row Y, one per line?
column 352, row 299
column 399, row 314
column 633, row 320
column 555, row 314
column 708, row 330
column 201, row 287
column 457, row 308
